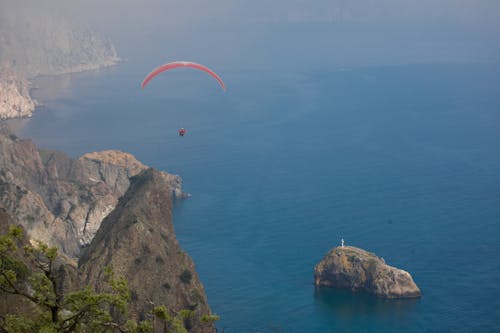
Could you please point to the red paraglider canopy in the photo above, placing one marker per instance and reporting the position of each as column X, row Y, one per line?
column 177, row 64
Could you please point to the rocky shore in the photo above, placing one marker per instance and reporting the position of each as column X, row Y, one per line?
column 352, row 268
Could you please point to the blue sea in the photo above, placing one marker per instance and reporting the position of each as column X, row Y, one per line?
column 403, row 161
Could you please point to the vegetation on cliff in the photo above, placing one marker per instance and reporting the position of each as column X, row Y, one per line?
column 31, row 277
column 137, row 241
column 106, row 210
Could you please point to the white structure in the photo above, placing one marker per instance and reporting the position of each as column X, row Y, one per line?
column 342, row 242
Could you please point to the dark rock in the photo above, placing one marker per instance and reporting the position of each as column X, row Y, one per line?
column 137, row 240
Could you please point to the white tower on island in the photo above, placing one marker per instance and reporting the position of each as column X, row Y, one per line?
column 342, row 242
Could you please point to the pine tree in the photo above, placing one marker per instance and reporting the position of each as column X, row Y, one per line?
column 28, row 275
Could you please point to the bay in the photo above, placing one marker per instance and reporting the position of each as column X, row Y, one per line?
column 400, row 160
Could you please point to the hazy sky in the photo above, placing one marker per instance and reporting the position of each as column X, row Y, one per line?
column 194, row 12
column 294, row 32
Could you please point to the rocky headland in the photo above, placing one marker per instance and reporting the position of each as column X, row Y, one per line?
column 355, row 269
column 62, row 201
column 43, row 44
column 102, row 209
column 15, row 99
column 137, row 240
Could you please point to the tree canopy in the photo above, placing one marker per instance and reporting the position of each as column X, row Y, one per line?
column 30, row 277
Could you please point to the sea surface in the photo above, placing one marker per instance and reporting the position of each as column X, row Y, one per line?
column 403, row 161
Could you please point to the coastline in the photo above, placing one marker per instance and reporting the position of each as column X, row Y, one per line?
column 219, row 246
column 18, row 98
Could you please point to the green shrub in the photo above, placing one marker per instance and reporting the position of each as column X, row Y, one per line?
column 186, row 276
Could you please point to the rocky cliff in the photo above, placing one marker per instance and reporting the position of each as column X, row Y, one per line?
column 47, row 43
column 138, row 237
column 15, row 100
column 108, row 209
column 355, row 269
column 43, row 44
column 59, row 200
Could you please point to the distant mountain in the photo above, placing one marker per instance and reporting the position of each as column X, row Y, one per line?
column 44, row 45
column 49, row 45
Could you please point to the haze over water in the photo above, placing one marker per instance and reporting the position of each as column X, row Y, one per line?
column 400, row 160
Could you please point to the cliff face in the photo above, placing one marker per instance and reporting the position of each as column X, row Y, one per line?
column 15, row 100
column 137, row 240
column 118, row 209
column 59, row 200
column 43, row 44
column 355, row 269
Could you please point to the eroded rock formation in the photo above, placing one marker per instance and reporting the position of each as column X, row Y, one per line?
column 137, row 240
column 108, row 209
column 59, row 200
column 15, row 100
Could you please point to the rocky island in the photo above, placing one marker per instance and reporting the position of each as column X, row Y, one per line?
column 352, row 268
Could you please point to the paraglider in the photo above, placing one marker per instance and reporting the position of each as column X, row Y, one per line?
column 178, row 64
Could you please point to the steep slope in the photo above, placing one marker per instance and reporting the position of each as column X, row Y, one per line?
column 47, row 43
column 15, row 100
column 64, row 270
column 34, row 42
column 138, row 237
column 59, row 200
column 9, row 303
column 63, row 201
